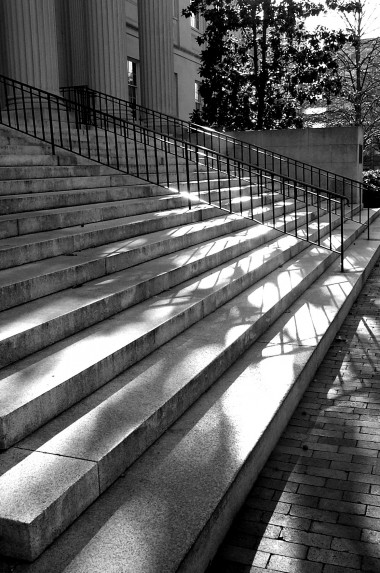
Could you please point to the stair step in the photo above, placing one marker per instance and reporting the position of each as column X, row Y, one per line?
column 17, row 186
column 31, row 281
column 36, row 221
column 16, row 251
column 37, row 201
column 52, row 171
column 142, row 408
column 51, row 219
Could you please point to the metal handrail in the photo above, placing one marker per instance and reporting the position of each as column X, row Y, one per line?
column 217, row 141
column 168, row 161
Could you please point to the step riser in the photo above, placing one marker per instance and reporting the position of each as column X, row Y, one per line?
column 38, row 201
column 15, row 256
column 50, row 222
column 45, row 172
column 63, row 184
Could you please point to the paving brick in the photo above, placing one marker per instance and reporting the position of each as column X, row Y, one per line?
column 315, row 514
column 332, row 569
column 289, row 565
column 370, row 564
column 336, row 530
column 326, row 492
column 359, row 547
column 353, row 467
column 288, row 521
column 361, row 521
column 306, row 500
column 318, row 459
column 328, row 457
column 373, row 511
column 278, row 547
column 364, row 478
column 361, row 451
column 342, row 506
column 334, row 557
column 327, row 473
column 363, row 498
column 370, row 536
column 348, row 485
column 306, row 479
column 306, row 538
column 278, row 484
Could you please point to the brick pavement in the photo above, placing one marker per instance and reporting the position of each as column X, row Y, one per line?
column 315, row 507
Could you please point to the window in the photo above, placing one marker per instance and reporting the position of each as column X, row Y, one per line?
column 195, row 21
column 132, row 82
column 197, row 96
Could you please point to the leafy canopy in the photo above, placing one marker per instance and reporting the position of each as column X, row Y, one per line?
column 260, row 64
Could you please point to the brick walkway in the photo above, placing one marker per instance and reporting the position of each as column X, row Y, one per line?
column 315, row 507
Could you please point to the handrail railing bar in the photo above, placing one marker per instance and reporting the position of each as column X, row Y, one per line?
column 192, row 127
column 241, row 166
column 109, row 117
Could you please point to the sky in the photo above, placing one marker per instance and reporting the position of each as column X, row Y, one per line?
column 371, row 19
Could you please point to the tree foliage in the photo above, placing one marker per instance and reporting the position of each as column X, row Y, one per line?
column 359, row 71
column 260, row 64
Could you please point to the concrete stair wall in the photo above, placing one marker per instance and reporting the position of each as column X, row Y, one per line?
column 151, row 355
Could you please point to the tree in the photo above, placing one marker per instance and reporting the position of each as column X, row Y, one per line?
column 259, row 63
column 359, row 71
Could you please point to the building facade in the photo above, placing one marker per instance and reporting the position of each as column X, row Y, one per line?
column 143, row 51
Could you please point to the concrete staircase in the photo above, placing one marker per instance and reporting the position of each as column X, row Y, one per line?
column 151, row 355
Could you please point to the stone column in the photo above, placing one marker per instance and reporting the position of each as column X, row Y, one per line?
column 78, row 40
column 107, row 51
column 30, row 40
column 156, row 54
column 72, row 42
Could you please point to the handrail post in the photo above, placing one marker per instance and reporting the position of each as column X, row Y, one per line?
column 187, row 172
column 341, row 236
column 51, row 125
